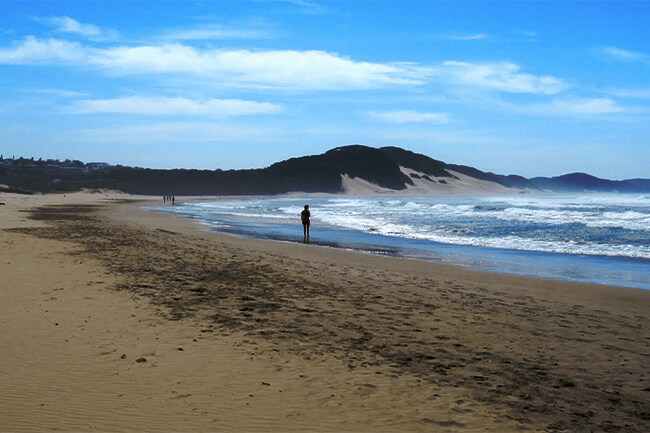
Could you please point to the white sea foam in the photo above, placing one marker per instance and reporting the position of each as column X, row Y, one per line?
column 383, row 226
column 609, row 225
column 538, row 211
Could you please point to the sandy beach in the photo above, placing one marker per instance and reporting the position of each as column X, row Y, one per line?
column 115, row 318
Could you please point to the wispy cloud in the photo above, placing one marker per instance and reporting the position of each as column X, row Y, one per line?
column 407, row 116
column 640, row 93
column 302, row 3
column 288, row 69
column 65, row 24
column 56, row 92
column 466, row 37
column 503, row 77
column 215, row 32
column 575, row 107
column 526, row 35
column 621, row 54
column 167, row 132
column 306, row 6
column 160, row 106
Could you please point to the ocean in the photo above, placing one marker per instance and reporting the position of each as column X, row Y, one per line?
column 595, row 238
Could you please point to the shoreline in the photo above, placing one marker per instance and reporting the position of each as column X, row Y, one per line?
column 287, row 337
column 188, row 225
column 602, row 270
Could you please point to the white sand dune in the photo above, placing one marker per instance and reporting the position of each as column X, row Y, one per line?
column 427, row 185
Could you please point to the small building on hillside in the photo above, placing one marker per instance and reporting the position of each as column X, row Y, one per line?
column 97, row 166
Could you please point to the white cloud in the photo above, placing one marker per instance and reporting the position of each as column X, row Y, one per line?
column 308, row 70
column 625, row 55
column 66, row 24
column 284, row 69
column 159, row 106
column 503, row 77
column 576, row 107
column 290, row 69
column 406, row 116
column 31, row 50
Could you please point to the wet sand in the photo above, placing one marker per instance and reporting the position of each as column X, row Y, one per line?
column 119, row 319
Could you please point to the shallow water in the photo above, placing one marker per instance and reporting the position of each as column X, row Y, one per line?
column 592, row 238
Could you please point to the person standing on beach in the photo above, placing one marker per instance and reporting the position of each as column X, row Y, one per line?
column 304, row 216
column 173, row 200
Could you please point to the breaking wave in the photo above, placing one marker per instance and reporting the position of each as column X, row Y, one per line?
column 607, row 225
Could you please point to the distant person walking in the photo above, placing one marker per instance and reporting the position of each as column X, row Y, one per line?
column 173, row 200
column 304, row 216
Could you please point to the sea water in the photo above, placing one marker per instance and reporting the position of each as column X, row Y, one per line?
column 602, row 238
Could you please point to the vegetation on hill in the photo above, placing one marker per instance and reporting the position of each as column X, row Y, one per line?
column 315, row 173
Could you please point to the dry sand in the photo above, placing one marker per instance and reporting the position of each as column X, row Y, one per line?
column 243, row 335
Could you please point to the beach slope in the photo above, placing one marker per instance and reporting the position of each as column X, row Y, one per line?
column 119, row 319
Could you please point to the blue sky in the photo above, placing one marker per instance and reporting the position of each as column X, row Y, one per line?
column 531, row 88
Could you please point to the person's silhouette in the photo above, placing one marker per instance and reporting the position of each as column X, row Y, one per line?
column 304, row 216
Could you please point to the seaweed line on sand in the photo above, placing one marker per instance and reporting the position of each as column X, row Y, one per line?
column 231, row 289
